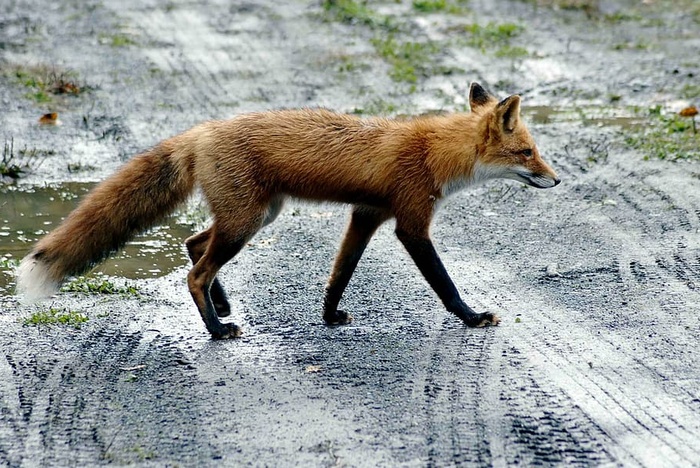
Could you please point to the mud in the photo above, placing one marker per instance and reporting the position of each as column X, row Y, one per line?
column 596, row 280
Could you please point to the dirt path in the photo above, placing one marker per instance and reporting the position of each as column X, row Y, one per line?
column 596, row 280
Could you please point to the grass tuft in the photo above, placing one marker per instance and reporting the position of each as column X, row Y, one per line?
column 87, row 285
column 44, row 82
column 353, row 12
column 440, row 6
column 17, row 164
column 667, row 136
column 55, row 316
column 408, row 60
column 492, row 34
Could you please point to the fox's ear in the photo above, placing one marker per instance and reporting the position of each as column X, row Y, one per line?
column 508, row 112
column 478, row 96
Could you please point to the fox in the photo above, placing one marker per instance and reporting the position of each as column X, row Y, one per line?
column 249, row 165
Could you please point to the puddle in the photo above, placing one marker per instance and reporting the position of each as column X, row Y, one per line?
column 591, row 115
column 27, row 214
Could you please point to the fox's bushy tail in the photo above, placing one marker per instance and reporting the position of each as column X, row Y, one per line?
column 141, row 193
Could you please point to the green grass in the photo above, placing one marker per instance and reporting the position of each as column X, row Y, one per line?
column 54, row 316
column 509, row 51
column 620, row 17
column 589, row 6
column 499, row 33
column 40, row 97
column 495, row 36
column 117, row 40
column 440, row 6
column 666, row 136
column 352, row 12
column 44, row 82
column 408, row 60
column 87, row 285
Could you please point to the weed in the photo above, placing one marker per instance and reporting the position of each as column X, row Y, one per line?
column 588, row 6
column 116, row 40
column 45, row 82
column 666, row 136
column 434, row 6
column 8, row 264
column 40, row 97
column 16, row 165
column 408, row 59
column 54, row 316
column 631, row 46
column 509, row 51
column 352, row 12
column 86, row 285
column 348, row 65
column 495, row 35
column 619, row 17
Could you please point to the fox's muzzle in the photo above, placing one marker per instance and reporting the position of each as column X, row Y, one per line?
column 537, row 180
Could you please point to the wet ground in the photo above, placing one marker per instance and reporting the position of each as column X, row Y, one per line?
column 596, row 280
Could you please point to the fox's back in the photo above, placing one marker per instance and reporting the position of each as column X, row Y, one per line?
column 308, row 153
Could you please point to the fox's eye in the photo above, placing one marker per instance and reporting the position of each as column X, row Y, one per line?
column 526, row 152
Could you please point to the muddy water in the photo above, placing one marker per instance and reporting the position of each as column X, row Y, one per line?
column 592, row 115
column 30, row 213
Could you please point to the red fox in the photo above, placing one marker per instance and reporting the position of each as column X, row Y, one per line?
column 247, row 167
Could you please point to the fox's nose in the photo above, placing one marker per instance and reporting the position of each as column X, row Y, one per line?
column 557, row 181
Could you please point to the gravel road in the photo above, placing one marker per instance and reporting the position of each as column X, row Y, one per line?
column 596, row 280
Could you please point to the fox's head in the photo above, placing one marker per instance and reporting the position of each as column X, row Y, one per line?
column 507, row 149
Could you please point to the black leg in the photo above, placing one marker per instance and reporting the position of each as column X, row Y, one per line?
column 426, row 258
column 364, row 222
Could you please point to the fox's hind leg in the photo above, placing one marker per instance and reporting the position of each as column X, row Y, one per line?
column 196, row 245
column 227, row 236
column 364, row 221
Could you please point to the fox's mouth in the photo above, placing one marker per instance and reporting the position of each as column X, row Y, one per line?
column 536, row 180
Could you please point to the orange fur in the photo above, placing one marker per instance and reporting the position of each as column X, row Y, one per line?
column 248, row 165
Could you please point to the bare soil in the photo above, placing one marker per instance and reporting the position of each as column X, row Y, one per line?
column 597, row 280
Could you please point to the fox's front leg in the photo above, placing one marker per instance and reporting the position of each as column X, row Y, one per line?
column 364, row 221
column 420, row 247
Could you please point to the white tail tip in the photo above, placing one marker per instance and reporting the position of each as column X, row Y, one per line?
column 34, row 281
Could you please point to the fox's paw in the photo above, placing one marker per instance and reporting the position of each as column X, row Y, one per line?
column 227, row 331
column 481, row 320
column 337, row 317
column 489, row 319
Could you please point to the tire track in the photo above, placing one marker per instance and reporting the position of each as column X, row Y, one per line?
column 635, row 408
column 475, row 394
column 452, row 398
column 555, row 432
column 72, row 406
